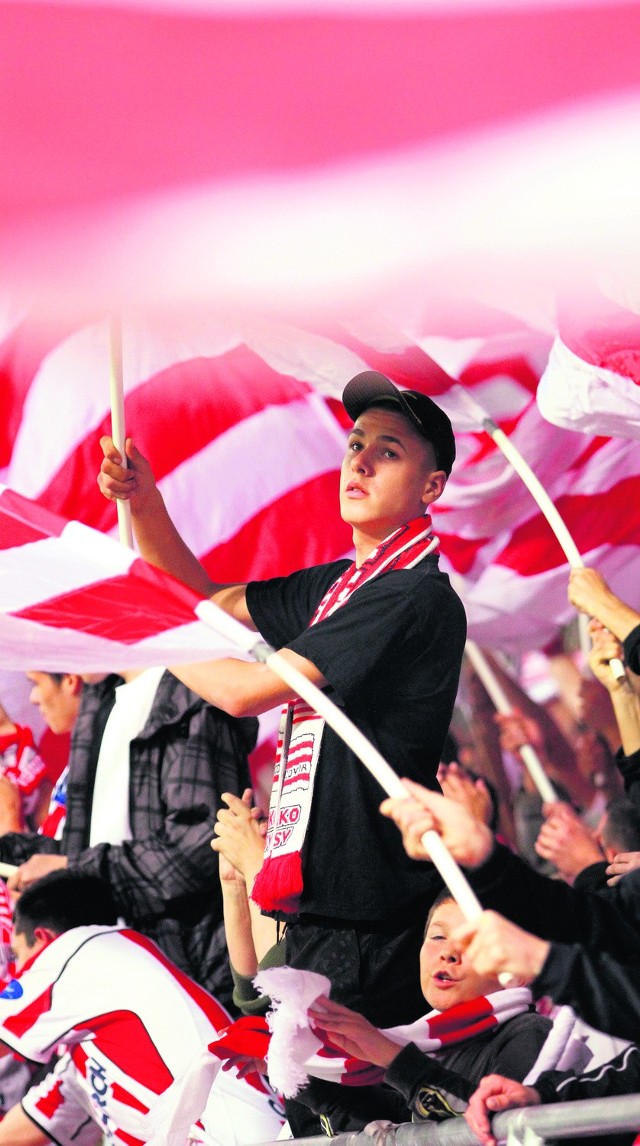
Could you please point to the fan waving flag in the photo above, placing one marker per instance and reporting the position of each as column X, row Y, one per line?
column 73, row 597
column 243, row 427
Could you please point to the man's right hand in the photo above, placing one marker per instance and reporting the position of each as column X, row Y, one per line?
column 468, row 839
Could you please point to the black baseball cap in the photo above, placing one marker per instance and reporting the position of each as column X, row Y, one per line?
column 371, row 388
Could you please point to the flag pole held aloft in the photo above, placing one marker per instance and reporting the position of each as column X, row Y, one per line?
column 116, row 390
column 539, row 494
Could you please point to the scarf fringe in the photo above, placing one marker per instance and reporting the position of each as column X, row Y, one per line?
column 278, row 884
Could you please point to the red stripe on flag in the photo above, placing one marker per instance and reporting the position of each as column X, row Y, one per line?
column 610, row 339
column 21, row 356
column 267, row 546
column 410, row 366
column 461, row 552
column 592, row 520
column 23, row 522
column 193, row 403
column 128, row 609
column 247, row 69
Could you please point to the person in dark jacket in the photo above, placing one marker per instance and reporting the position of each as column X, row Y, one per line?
column 161, row 870
column 581, row 948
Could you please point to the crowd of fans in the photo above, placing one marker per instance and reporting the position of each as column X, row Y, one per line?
column 139, row 965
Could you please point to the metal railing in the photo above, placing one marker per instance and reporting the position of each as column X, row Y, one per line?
column 529, row 1125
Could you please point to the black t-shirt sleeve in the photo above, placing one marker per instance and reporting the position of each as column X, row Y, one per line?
column 282, row 607
column 390, row 620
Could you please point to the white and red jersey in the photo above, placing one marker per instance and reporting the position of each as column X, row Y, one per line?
column 21, row 763
column 54, row 821
column 132, row 1021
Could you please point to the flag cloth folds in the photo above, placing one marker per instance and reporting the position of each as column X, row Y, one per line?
column 242, row 424
column 73, row 597
column 592, row 380
column 309, row 152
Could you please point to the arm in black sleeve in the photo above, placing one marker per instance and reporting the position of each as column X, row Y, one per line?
column 18, row 847
column 629, row 768
column 430, row 1089
column 619, row 1076
column 609, row 920
column 631, row 646
column 434, row 1090
column 602, row 991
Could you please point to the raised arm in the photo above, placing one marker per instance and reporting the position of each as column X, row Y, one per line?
column 239, row 688
column 626, row 704
column 589, row 592
column 158, row 539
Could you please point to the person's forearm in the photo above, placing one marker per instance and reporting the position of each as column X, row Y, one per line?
column 237, row 926
column 237, row 687
column 618, row 617
column 626, row 706
column 263, row 929
column 244, row 688
column 160, row 544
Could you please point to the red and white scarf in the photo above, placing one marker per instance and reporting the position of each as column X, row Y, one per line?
column 298, row 1051
column 295, row 1051
column 279, row 884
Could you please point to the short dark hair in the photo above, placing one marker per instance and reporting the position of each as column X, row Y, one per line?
column 445, row 896
column 621, row 828
column 62, row 900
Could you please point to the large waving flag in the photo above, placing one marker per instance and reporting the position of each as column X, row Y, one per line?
column 243, row 427
column 592, row 380
column 298, row 153
column 71, row 596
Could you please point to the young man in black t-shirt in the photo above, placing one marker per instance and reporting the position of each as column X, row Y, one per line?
column 385, row 638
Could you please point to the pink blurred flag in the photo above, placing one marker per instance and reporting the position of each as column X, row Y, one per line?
column 301, row 156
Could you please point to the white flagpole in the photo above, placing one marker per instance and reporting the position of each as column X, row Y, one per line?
column 116, row 390
column 544, row 502
column 500, row 700
column 502, row 704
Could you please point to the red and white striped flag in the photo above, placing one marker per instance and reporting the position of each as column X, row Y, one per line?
column 71, row 596
column 592, row 380
column 243, row 427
